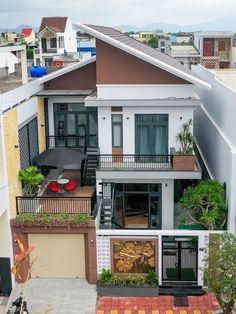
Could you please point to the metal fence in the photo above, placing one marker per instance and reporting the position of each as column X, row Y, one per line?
column 54, row 205
column 135, row 162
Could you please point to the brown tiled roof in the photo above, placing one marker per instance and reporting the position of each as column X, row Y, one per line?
column 56, row 23
column 135, row 44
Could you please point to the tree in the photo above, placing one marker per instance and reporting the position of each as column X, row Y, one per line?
column 153, row 42
column 206, row 204
column 220, row 270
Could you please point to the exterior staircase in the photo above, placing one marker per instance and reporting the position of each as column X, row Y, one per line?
column 90, row 165
column 107, row 206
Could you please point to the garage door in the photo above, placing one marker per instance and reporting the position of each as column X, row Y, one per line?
column 58, row 255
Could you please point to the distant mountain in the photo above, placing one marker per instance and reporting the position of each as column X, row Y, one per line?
column 224, row 24
column 17, row 29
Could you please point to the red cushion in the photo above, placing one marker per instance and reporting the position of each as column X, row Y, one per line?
column 52, row 184
column 55, row 189
column 73, row 182
column 70, row 187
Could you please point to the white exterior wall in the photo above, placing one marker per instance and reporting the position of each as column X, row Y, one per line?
column 177, row 116
column 70, row 40
column 8, row 59
column 214, row 130
column 26, row 110
column 136, row 91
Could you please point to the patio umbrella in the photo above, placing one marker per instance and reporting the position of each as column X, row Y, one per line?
column 61, row 157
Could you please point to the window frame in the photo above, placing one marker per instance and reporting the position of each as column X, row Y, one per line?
column 120, row 124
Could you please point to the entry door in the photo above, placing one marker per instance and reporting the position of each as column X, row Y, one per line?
column 179, row 259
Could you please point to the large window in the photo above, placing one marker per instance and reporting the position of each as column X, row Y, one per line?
column 53, row 43
column 117, row 133
column 76, row 125
column 151, row 134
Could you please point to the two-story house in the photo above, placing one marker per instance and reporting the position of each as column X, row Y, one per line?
column 124, row 108
column 56, row 38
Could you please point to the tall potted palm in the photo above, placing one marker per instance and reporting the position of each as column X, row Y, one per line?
column 31, row 177
column 184, row 159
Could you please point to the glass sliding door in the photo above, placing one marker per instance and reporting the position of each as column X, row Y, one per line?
column 160, row 140
column 143, row 146
column 154, row 211
column 151, row 134
column 138, row 205
column 75, row 125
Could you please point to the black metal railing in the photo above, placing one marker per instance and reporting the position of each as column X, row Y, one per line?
column 53, row 141
column 135, row 162
column 54, row 205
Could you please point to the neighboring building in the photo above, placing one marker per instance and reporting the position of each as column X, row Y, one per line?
column 215, row 49
column 8, row 151
column 181, row 39
column 187, row 55
column 8, row 60
column 143, row 36
column 29, row 35
column 164, row 41
column 214, row 130
column 85, row 46
column 56, row 38
column 123, row 107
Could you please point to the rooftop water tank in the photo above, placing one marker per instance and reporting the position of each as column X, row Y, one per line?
column 38, row 71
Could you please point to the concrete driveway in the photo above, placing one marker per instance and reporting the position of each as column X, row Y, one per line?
column 57, row 296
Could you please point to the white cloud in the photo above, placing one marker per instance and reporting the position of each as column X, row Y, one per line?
column 115, row 12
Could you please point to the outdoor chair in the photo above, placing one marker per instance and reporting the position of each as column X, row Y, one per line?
column 52, row 184
column 71, row 186
column 56, row 189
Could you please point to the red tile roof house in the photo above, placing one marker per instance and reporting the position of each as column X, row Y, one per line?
column 123, row 107
column 29, row 35
column 56, row 38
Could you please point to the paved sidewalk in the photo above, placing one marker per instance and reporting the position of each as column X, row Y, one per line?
column 205, row 304
column 3, row 303
column 58, row 296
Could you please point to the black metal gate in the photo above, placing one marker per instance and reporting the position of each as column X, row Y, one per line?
column 28, row 140
column 179, row 258
column 5, row 276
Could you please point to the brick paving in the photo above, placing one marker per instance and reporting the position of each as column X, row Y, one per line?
column 205, row 304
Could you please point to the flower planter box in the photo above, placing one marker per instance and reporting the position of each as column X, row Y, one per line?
column 127, row 291
column 184, row 162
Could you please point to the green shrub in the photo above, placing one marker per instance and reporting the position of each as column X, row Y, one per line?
column 105, row 277
column 150, row 279
column 52, row 219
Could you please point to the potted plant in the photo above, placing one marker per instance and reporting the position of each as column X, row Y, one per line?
column 128, row 285
column 184, row 159
column 31, row 178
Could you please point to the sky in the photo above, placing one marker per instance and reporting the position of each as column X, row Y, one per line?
column 115, row 12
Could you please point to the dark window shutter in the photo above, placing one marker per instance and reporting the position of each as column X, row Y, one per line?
column 5, row 276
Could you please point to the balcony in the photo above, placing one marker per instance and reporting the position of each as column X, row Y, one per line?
column 54, row 205
column 49, row 50
column 76, row 200
column 148, row 163
column 72, row 141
